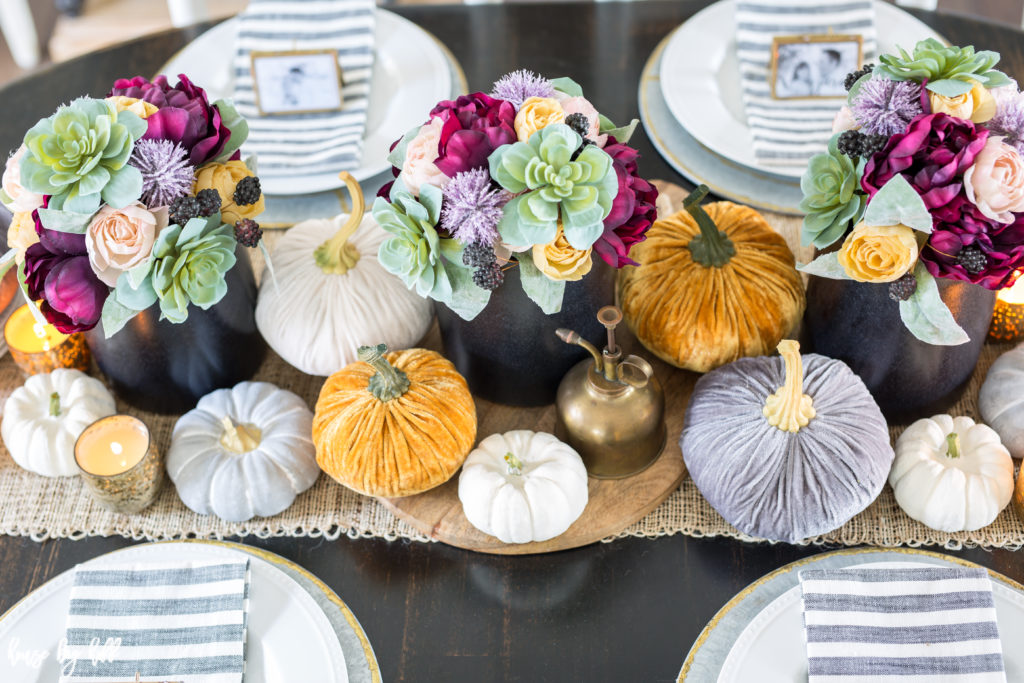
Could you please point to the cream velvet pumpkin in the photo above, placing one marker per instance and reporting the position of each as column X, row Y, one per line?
column 1001, row 400
column 523, row 486
column 243, row 452
column 951, row 474
column 44, row 417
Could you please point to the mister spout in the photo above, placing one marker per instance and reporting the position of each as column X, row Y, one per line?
column 571, row 337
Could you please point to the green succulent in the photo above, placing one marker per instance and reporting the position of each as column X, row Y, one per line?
column 831, row 201
column 79, row 155
column 950, row 70
column 552, row 185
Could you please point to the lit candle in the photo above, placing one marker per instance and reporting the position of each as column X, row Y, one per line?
column 38, row 347
column 119, row 463
column 1008, row 317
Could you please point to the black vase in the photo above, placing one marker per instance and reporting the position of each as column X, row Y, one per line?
column 163, row 367
column 509, row 353
column 860, row 325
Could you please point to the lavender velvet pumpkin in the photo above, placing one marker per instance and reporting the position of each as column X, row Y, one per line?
column 827, row 459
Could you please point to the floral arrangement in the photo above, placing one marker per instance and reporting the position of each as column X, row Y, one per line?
column 124, row 202
column 530, row 175
column 923, row 179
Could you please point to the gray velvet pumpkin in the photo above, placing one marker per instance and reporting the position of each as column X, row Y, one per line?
column 827, row 459
column 1001, row 400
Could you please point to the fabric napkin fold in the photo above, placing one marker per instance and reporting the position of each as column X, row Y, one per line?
column 307, row 144
column 790, row 132
column 901, row 624
column 169, row 622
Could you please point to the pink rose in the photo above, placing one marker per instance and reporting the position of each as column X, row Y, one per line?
column 844, row 120
column 581, row 105
column 995, row 182
column 120, row 239
column 419, row 168
column 21, row 200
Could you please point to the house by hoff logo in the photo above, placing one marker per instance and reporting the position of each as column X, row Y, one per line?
column 96, row 652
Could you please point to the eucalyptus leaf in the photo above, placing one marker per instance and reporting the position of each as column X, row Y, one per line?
column 65, row 221
column 115, row 315
column 826, row 265
column 897, row 202
column 466, row 299
column 622, row 134
column 949, row 87
column 926, row 315
column 137, row 298
column 234, row 122
column 568, row 86
column 855, row 88
column 541, row 289
column 397, row 156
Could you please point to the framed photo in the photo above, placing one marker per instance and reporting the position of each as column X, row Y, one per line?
column 813, row 66
column 299, row 82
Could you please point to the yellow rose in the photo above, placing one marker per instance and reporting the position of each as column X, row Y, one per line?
column 978, row 105
column 223, row 178
column 559, row 260
column 536, row 113
column 140, row 108
column 878, row 253
column 21, row 234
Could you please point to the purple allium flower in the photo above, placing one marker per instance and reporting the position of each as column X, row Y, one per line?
column 1009, row 118
column 472, row 207
column 166, row 171
column 518, row 86
column 885, row 107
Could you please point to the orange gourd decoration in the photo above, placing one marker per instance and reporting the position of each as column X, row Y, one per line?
column 716, row 283
column 394, row 424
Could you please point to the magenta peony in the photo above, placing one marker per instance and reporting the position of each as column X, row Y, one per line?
column 632, row 212
column 474, row 126
column 1002, row 245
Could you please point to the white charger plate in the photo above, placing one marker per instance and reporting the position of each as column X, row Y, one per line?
column 289, row 636
column 410, row 75
column 701, row 84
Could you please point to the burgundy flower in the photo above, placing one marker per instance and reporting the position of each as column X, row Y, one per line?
column 474, row 126
column 932, row 155
column 633, row 209
column 185, row 115
column 1002, row 244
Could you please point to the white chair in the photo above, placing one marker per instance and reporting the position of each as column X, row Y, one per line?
column 19, row 31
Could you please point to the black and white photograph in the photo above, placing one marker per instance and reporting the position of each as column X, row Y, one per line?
column 813, row 66
column 297, row 82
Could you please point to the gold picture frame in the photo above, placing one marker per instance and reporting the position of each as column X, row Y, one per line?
column 804, row 67
column 287, row 100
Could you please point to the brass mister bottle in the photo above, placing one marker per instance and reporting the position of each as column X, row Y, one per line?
column 610, row 409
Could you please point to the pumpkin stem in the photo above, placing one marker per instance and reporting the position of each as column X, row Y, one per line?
column 789, row 408
column 515, row 465
column 388, row 382
column 239, row 438
column 54, row 404
column 712, row 248
column 336, row 256
column 953, row 445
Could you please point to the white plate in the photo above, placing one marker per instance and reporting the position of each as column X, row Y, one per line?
column 410, row 76
column 289, row 638
column 701, row 84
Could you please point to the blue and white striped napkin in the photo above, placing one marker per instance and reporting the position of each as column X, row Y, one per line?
column 909, row 625
column 790, row 132
column 175, row 622
column 307, row 144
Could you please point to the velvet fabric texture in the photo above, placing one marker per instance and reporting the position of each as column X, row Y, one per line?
column 400, row 447
column 779, row 485
column 699, row 318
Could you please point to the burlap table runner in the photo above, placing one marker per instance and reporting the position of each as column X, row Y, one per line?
column 41, row 507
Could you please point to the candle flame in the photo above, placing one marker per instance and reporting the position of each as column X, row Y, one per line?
column 116, row 447
column 1015, row 294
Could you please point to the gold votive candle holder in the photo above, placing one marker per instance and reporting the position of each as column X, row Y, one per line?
column 1008, row 316
column 119, row 463
column 38, row 348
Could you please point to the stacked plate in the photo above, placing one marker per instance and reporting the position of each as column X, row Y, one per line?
column 691, row 105
column 298, row 629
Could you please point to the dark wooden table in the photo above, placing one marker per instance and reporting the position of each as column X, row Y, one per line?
column 624, row 611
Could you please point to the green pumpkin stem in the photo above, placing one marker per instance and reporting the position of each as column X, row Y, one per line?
column 55, row 404
column 953, row 445
column 336, row 255
column 712, row 248
column 515, row 465
column 388, row 382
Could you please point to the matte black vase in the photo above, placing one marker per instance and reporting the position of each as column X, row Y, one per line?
column 163, row 367
column 860, row 325
column 509, row 353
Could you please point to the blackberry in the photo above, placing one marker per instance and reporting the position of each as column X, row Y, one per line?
column 851, row 143
column 855, row 76
column 477, row 254
column 579, row 123
column 972, row 259
column 182, row 209
column 872, row 143
column 247, row 191
column 209, row 202
column 248, row 232
column 583, row 146
column 489, row 277
column 904, row 288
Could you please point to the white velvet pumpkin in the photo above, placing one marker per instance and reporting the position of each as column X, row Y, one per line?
column 951, row 474
column 1001, row 400
column 243, row 452
column 523, row 486
column 45, row 416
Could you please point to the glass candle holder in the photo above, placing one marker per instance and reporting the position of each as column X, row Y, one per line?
column 120, row 464
column 1008, row 316
column 38, row 348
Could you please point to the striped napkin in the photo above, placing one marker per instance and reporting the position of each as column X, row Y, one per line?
column 908, row 625
column 175, row 622
column 790, row 132
column 307, row 144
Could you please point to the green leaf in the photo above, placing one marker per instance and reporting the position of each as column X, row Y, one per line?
column 430, row 197
column 568, row 86
column 855, row 88
column 949, row 87
column 84, row 203
column 234, row 122
column 996, row 79
column 138, row 298
column 397, row 156
column 466, row 298
column 138, row 274
column 897, row 202
column 115, row 315
column 620, row 133
column 124, row 187
column 541, row 289
column 65, row 221
column 927, row 316
column 826, row 265
column 135, row 125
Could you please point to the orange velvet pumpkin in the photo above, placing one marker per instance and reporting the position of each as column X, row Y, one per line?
column 394, row 424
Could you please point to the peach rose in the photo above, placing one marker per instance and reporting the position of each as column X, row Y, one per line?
column 419, row 169
column 120, row 239
column 581, row 105
column 140, row 108
column 223, row 178
column 878, row 253
column 844, row 120
column 536, row 113
column 559, row 260
column 21, row 234
column 18, row 198
column 995, row 182
column 978, row 105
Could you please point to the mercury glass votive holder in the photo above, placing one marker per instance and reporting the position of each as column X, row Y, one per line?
column 120, row 464
column 38, row 348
